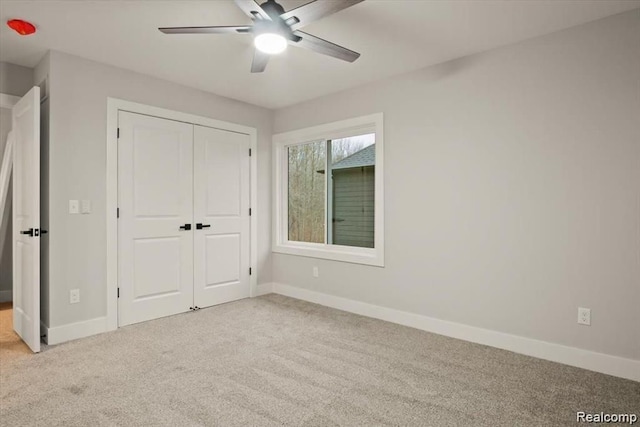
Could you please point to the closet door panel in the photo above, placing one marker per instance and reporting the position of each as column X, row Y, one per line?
column 222, row 252
column 155, row 198
column 221, row 205
column 223, row 153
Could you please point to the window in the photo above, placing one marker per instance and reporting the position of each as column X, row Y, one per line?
column 329, row 191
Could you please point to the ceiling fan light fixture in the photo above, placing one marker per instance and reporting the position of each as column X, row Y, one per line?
column 273, row 29
column 271, row 43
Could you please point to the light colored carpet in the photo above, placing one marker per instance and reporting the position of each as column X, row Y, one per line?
column 11, row 346
column 278, row 361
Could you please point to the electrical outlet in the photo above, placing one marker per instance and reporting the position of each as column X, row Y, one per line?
column 584, row 316
column 74, row 207
column 316, row 273
column 74, row 296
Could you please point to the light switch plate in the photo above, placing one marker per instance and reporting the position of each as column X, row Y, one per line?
column 74, row 207
column 85, row 207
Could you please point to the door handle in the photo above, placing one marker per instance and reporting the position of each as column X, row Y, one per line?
column 200, row 226
column 185, row 227
column 28, row 232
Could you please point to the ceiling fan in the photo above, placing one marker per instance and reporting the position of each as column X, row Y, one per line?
column 273, row 28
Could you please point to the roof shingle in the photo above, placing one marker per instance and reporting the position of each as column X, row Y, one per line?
column 364, row 157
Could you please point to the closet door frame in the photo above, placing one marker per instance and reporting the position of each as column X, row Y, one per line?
column 114, row 106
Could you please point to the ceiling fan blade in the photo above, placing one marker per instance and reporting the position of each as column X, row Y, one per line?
column 322, row 46
column 260, row 60
column 310, row 12
column 205, row 30
column 252, row 9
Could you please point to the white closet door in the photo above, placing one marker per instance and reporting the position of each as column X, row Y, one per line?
column 26, row 218
column 221, row 208
column 155, row 199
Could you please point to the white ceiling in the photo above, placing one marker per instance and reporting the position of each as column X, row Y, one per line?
column 393, row 36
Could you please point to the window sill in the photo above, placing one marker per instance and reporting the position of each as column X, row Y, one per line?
column 354, row 255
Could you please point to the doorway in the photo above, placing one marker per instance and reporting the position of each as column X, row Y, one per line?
column 11, row 345
column 20, row 165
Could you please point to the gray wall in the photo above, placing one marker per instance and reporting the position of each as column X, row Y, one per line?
column 14, row 80
column 511, row 181
column 78, row 110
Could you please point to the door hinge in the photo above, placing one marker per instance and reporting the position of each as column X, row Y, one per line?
column 118, row 213
column 118, row 292
column 249, row 152
column 249, row 211
column 249, row 271
column 118, row 136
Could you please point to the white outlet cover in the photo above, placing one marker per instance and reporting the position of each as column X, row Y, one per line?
column 74, row 296
column 86, row 206
column 315, row 272
column 584, row 316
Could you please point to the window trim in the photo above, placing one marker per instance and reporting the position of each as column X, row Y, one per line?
column 345, row 128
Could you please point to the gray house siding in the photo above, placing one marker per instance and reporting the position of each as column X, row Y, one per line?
column 353, row 206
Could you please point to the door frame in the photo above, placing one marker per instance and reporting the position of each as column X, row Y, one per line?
column 7, row 101
column 114, row 106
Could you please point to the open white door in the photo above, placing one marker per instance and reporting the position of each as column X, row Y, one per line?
column 26, row 218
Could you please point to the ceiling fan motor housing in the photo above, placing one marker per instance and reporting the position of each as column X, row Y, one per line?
column 276, row 25
column 264, row 26
column 273, row 9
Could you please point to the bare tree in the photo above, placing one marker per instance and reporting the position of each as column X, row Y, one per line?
column 306, row 192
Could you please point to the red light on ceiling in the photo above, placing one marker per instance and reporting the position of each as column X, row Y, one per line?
column 21, row 27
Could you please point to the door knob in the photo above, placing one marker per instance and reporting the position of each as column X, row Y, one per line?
column 28, row 232
column 185, row 227
column 200, row 226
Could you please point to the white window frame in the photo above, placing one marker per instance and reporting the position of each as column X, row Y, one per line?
column 336, row 130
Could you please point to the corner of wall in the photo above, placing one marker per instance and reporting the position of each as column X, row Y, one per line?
column 41, row 70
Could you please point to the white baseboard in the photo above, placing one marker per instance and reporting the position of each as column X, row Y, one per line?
column 264, row 288
column 6, row 296
column 599, row 362
column 73, row 331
